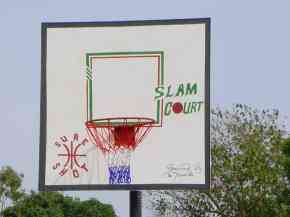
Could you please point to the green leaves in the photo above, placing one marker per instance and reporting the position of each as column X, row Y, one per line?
column 54, row 204
column 286, row 151
column 10, row 187
column 44, row 204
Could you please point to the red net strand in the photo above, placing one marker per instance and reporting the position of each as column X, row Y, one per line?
column 110, row 136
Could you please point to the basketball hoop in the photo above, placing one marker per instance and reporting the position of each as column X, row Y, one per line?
column 117, row 138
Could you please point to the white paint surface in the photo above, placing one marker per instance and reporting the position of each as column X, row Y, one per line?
column 179, row 141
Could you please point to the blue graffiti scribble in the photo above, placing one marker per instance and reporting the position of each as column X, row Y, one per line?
column 119, row 175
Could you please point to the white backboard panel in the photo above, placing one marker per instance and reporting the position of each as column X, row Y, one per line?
column 150, row 69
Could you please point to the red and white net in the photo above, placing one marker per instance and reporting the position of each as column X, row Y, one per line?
column 109, row 135
column 117, row 138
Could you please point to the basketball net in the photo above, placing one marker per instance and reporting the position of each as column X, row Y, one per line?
column 118, row 162
column 117, row 142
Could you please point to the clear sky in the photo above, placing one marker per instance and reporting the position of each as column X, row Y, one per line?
column 249, row 62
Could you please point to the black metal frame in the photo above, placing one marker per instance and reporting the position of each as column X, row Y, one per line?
column 43, row 126
column 135, row 204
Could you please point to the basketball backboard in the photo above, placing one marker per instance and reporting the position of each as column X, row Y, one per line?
column 106, row 74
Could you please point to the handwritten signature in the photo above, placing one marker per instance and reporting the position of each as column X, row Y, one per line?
column 182, row 169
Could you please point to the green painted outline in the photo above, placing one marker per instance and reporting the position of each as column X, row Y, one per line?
column 125, row 53
column 158, row 112
column 89, row 88
column 162, row 68
column 90, row 83
column 161, row 83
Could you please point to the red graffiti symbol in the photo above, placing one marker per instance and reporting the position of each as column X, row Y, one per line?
column 72, row 156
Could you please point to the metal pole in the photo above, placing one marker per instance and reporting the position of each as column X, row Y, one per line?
column 135, row 204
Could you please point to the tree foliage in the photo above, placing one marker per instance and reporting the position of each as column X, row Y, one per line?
column 10, row 187
column 286, row 152
column 43, row 204
column 248, row 174
column 54, row 204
